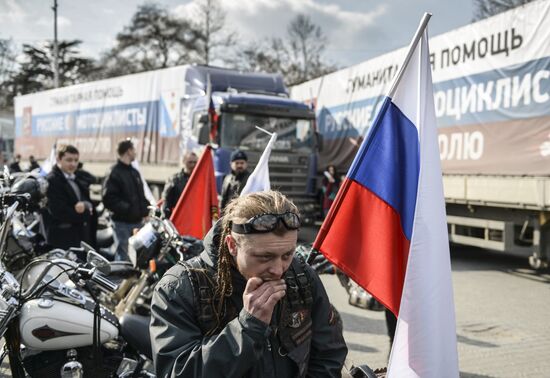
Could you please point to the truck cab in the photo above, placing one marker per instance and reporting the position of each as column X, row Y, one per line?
column 241, row 102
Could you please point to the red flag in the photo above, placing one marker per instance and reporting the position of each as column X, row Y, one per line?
column 212, row 115
column 197, row 206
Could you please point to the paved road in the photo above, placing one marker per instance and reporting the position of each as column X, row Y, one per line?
column 502, row 312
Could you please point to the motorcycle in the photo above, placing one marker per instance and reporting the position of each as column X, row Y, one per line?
column 155, row 248
column 54, row 326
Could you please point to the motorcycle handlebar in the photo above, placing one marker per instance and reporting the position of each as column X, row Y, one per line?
column 98, row 278
column 104, row 282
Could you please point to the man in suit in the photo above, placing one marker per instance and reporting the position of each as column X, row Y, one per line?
column 69, row 205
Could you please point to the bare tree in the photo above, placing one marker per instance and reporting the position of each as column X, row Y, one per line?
column 269, row 55
column 488, row 8
column 214, row 36
column 299, row 56
column 153, row 39
column 307, row 43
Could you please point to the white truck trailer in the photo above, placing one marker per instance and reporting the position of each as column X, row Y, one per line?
column 165, row 111
column 492, row 99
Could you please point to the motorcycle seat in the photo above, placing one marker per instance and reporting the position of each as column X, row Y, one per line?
column 135, row 330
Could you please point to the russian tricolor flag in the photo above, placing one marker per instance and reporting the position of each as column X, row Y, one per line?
column 387, row 229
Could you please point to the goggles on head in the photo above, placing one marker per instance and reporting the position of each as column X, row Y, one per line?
column 267, row 222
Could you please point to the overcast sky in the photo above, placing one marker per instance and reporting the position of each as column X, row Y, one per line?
column 356, row 29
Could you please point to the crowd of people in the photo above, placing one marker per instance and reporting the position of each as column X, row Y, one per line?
column 70, row 216
column 15, row 165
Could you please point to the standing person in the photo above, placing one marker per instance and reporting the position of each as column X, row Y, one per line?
column 247, row 307
column 87, row 177
column 14, row 165
column 174, row 185
column 123, row 195
column 33, row 164
column 391, row 324
column 234, row 182
column 331, row 184
column 70, row 210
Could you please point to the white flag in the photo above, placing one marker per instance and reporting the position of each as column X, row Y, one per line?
column 49, row 162
column 258, row 181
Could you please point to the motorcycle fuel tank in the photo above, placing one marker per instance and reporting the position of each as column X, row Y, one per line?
column 50, row 324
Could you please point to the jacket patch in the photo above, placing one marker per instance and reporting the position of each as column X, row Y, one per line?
column 297, row 318
column 334, row 316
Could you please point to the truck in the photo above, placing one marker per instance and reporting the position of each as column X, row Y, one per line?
column 492, row 101
column 166, row 112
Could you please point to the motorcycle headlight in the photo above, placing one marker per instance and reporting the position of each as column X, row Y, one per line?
column 143, row 246
column 132, row 254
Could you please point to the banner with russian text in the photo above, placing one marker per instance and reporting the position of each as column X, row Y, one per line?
column 491, row 95
column 94, row 116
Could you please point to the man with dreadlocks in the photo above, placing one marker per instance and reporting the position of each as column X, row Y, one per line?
column 246, row 307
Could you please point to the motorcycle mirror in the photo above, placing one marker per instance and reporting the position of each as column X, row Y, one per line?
column 6, row 177
column 87, row 247
column 169, row 227
column 96, row 260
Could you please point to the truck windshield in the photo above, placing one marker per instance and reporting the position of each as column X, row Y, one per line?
column 238, row 130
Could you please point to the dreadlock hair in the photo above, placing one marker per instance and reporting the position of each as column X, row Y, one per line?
column 239, row 210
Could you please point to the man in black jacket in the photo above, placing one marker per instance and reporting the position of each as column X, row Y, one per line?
column 123, row 195
column 246, row 307
column 33, row 164
column 234, row 182
column 14, row 166
column 69, row 206
column 174, row 185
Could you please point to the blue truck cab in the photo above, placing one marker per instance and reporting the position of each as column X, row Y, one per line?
column 242, row 101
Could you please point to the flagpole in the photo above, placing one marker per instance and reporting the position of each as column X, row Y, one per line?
column 412, row 47
column 264, row 130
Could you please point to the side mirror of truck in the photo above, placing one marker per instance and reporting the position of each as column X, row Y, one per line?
column 204, row 130
column 320, row 141
column 203, row 119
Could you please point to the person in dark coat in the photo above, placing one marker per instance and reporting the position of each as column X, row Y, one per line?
column 174, row 185
column 246, row 306
column 124, row 196
column 86, row 177
column 14, row 165
column 330, row 186
column 70, row 210
column 33, row 164
column 234, row 182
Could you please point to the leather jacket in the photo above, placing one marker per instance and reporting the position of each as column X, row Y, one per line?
column 243, row 346
column 172, row 191
column 123, row 194
column 232, row 186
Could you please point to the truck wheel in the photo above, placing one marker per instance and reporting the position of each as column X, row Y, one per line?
column 537, row 263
